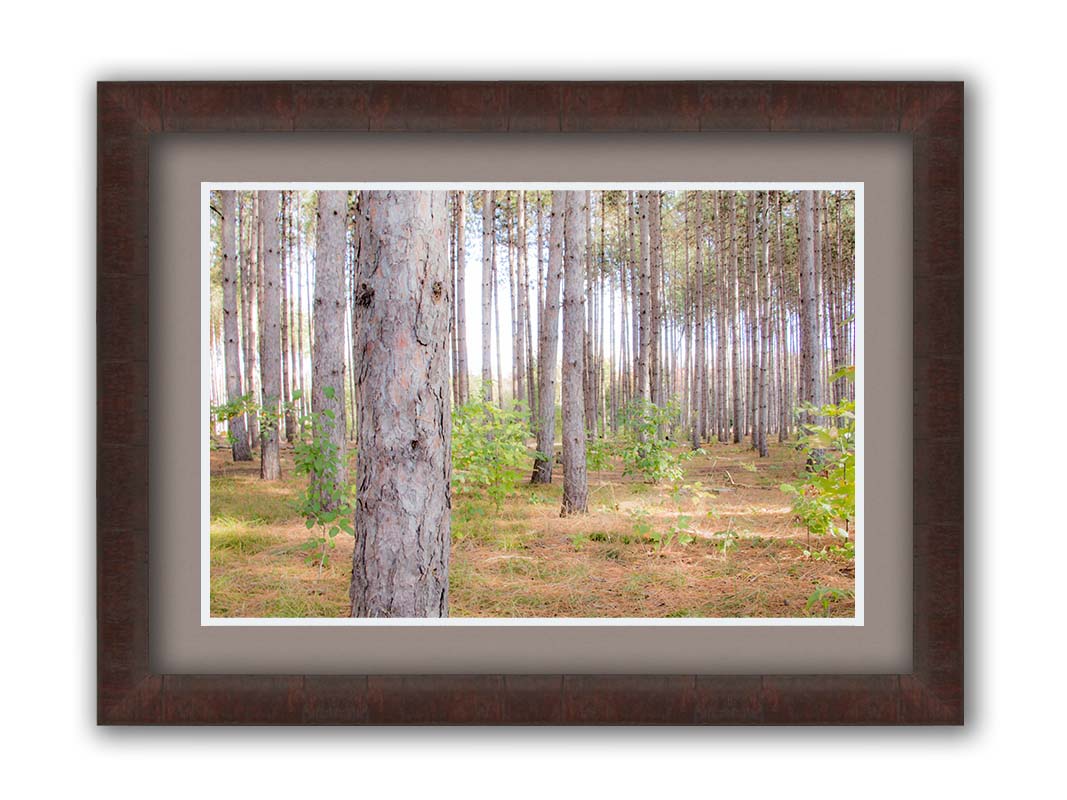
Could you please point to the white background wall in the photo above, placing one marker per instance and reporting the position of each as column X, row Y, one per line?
column 1012, row 63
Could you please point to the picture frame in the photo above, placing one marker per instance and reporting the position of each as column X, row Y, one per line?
column 131, row 114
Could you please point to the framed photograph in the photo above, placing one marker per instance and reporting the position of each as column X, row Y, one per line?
column 530, row 403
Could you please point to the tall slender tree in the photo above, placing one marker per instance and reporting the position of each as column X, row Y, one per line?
column 488, row 259
column 655, row 289
column 524, row 282
column 575, row 477
column 699, row 389
column 751, row 313
column 328, row 358
column 735, row 324
column 461, row 300
column 765, row 335
column 250, row 315
column 549, row 341
column 286, row 267
column 270, row 345
column 645, row 318
column 230, row 311
column 810, row 370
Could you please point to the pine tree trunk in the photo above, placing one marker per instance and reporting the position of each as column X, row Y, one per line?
column 518, row 350
column 496, row 326
column 524, row 296
column 646, row 299
column 655, row 309
column 752, row 315
column 765, row 334
column 785, row 398
column 249, row 284
column 548, row 345
column 809, row 307
column 270, row 346
column 635, row 296
column 286, row 260
column 294, row 319
column 461, row 299
column 299, row 324
column 328, row 358
column 403, row 466
column 735, row 323
column 699, row 390
column 588, row 380
column 721, row 293
column 232, row 344
column 575, row 478
column 488, row 249
column 613, row 398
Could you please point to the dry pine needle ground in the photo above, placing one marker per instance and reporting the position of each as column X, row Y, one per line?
column 745, row 559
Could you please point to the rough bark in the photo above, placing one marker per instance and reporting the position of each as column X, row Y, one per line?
column 403, row 466
column 548, row 345
column 232, row 344
column 575, row 478
column 270, row 344
column 328, row 358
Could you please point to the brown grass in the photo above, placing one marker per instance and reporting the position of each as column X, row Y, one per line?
column 525, row 561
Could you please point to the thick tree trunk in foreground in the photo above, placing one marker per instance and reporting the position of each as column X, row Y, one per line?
column 547, row 348
column 575, row 478
column 232, row 345
column 328, row 358
column 270, row 345
column 402, row 520
column 488, row 248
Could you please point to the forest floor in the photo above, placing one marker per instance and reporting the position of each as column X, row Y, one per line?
column 621, row 560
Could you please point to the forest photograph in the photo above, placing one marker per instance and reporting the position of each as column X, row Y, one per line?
column 527, row 401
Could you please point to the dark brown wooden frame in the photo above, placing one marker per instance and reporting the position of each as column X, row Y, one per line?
column 129, row 114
